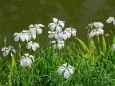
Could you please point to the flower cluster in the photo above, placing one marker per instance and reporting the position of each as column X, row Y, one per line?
column 96, row 29
column 26, row 60
column 25, row 35
column 68, row 70
column 56, row 32
column 111, row 20
column 8, row 50
column 28, row 35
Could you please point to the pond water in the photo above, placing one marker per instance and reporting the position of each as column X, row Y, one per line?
column 17, row 15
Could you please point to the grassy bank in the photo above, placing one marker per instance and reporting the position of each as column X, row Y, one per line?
column 88, row 65
column 91, row 69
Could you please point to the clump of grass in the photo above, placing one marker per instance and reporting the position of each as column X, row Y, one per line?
column 99, row 70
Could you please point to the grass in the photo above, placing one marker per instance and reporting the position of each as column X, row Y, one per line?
column 94, row 66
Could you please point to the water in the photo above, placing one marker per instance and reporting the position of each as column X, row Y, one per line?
column 17, row 15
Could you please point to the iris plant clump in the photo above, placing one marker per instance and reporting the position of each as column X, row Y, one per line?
column 29, row 36
column 58, row 34
column 94, row 65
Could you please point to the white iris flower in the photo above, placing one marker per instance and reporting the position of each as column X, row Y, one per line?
column 35, row 29
column 39, row 28
column 110, row 20
column 60, row 44
column 26, row 60
column 51, row 34
column 96, row 32
column 68, row 70
column 7, row 50
column 97, row 29
column 59, row 36
column 57, row 24
column 32, row 45
column 70, row 31
column 98, row 25
column 23, row 36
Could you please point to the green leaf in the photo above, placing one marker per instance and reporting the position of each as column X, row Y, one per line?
column 114, row 39
column 92, row 44
column 83, row 45
column 104, row 45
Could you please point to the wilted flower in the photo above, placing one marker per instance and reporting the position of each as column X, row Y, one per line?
column 68, row 70
column 26, row 60
column 32, row 45
column 7, row 50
